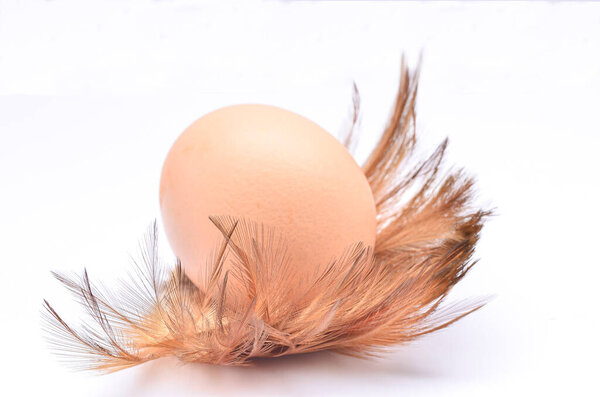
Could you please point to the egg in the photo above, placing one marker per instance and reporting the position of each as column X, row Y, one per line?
column 270, row 166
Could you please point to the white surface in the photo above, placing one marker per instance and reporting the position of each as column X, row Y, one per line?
column 92, row 96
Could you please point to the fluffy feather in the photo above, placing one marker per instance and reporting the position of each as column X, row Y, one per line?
column 366, row 300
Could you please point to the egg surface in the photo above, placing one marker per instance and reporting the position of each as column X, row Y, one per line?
column 267, row 165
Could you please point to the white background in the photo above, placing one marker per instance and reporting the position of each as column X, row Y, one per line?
column 94, row 93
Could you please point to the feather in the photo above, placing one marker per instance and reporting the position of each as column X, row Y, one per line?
column 366, row 300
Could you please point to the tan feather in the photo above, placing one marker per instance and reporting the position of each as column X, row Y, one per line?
column 367, row 299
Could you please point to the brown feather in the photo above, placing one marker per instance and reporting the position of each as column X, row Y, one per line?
column 366, row 300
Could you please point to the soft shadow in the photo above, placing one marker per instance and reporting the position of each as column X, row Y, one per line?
column 270, row 374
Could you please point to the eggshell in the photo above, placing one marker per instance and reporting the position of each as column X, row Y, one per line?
column 271, row 166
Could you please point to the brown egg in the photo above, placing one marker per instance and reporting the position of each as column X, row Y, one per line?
column 268, row 165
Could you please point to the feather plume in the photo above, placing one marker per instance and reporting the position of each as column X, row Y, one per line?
column 366, row 300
